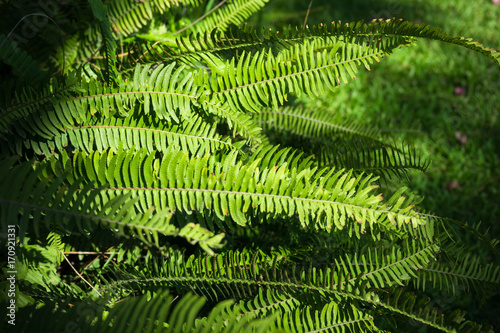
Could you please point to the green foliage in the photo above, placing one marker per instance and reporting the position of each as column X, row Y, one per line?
column 169, row 162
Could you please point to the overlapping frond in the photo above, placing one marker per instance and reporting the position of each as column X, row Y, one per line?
column 239, row 275
column 21, row 62
column 386, row 35
column 321, row 199
column 165, row 92
column 317, row 125
column 369, row 157
column 466, row 271
column 340, row 144
column 100, row 12
column 260, row 79
column 54, row 203
column 232, row 12
column 130, row 16
column 156, row 312
column 245, row 276
column 132, row 132
column 421, row 312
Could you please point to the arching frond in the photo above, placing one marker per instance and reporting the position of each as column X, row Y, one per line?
column 132, row 132
column 342, row 145
column 368, row 157
column 317, row 125
column 100, row 12
column 56, row 204
column 244, row 276
column 23, row 65
column 157, row 92
column 232, row 12
column 386, row 35
column 130, row 16
column 261, row 79
column 158, row 312
column 321, row 199
column 466, row 272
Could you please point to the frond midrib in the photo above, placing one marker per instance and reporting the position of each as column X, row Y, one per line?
column 80, row 215
column 469, row 277
column 284, row 197
column 150, row 130
column 145, row 92
column 195, row 280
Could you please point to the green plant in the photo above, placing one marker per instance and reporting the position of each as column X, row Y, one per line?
column 167, row 156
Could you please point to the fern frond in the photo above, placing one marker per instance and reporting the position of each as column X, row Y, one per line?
column 385, row 35
column 322, row 200
column 241, row 276
column 157, row 311
column 27, row 101
column 239, row 122
column 260, row 79
column 365, row 156
column 129, row 16
column 407, row 304
column 82, row 211
column 233, row 12
column 238, row 275
column 294, row 316
column 466, row 271
column 483, row 236
column 341, row 145
column 194, row 135
column 157, row 92
column 100, row 12
column 317, row 125
column 23, row 65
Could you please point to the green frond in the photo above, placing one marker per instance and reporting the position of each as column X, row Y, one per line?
column 419, row 310
column 74, row 208
column 23, row 65
column 28, row 101
column 244, row 276
column 129, row 16
column 156, row 312
column 232, row 12
column 240, row 275
column 294, row 316
column 321, row 199
column 382, row 35
column 466, row 271
column 269, row 155
column 409, row 29
column 101, row 13
column 339, row 144
column 483, row 236
column 132, row 132
column 368, row 157
column 54, row 240
column 331, row 318
column 165, row 92
column 240, row 123
column 261, row 79
column 317, row 125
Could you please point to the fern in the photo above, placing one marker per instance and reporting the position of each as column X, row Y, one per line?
column 162, row 172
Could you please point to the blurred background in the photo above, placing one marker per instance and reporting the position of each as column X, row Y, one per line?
column 443, row 99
